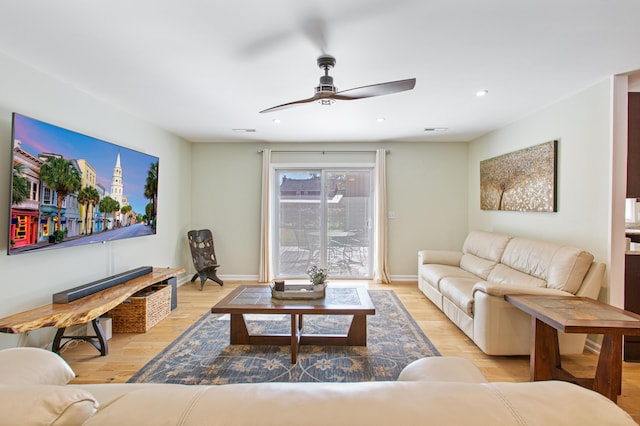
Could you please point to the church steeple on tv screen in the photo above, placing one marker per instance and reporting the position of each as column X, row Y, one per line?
column 69, row 189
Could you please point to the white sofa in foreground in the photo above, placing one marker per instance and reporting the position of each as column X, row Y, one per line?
column 434, row 391
column 469, row 286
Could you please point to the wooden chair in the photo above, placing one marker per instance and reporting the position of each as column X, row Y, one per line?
column 204, row 256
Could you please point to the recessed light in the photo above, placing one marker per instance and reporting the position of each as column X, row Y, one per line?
column 244, row 130
column 276, row 121
column 381, row 119
column 436, row 129
column 481, row 93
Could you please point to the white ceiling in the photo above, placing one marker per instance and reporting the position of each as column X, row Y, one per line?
column 200, row 68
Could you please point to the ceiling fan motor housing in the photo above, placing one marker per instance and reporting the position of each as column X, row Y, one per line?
column 326, row 85
column 326, row 62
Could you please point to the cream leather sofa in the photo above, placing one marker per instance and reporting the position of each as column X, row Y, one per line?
column 469, row 286
column 435, row 391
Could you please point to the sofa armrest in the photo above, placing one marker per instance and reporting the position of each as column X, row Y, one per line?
column 442, row 369
column 33, row 366
column 499, row 290
column 441, row 257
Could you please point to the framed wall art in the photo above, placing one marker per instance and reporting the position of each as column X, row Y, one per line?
column 523, row 180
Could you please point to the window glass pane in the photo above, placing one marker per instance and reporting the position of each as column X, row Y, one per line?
column 47, row 196
column 299, row 195
column 34, row 191
column 348, row 195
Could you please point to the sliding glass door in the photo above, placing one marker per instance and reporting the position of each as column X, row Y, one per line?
column 324, row 218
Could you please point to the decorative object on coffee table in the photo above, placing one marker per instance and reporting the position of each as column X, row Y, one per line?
column 278, row 285
column 317, row 275
column 316, row 290
column 298, row 291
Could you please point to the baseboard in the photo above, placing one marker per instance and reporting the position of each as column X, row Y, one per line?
column 238, row 277
column 404, row 278
column 394, row 278
column 183, row 280
column 592, row 346
column 187, row 279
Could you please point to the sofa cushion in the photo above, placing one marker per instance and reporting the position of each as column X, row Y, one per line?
column 33, row 366
column 459, row 291
column 441, row 257
column 532, row 404
column 442, row 369
column 45, row 405
column 477, row 265
column 486, row 245
column 503, row 274
column 365, row 403
column 562, row 267
column 433, row 273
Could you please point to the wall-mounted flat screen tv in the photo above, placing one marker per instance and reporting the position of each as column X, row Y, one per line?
column 69, row 189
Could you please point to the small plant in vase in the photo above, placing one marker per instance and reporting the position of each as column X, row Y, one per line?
column 317, row 275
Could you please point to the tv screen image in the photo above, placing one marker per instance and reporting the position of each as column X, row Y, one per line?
column 69, row 189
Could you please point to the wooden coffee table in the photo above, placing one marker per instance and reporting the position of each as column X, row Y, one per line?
column 569, row 314
column 256, row 299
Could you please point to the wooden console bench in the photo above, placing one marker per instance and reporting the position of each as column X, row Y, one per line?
column 571, row 314
column 83, row 310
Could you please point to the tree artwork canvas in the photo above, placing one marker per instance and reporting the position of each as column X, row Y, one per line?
column 523, row 180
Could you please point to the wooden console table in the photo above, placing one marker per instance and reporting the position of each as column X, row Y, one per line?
column 569, row 314
column 83, row 310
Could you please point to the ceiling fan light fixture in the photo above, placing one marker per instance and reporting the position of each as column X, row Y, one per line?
column 326, row 101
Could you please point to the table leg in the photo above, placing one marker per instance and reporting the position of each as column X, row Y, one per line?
column 238, row 330
column 294, row 338
column 357, row 335
column 102, row 345
column 545, row 356
column 608, row 379
column 99, row 341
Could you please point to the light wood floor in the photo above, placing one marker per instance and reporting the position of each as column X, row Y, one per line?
column 129, row 352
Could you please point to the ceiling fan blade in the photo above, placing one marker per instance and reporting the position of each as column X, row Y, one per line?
column 376, row 89
column 315, row 30
column 294, row 103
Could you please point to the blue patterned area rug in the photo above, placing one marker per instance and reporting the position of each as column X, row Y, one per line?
column 203, row 355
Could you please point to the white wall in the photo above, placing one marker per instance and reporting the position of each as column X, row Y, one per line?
column 582, row 125
column 634, row 82
column 427, row 191
column 28, row 280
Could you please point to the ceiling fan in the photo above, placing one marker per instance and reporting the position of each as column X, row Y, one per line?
column 327, row 93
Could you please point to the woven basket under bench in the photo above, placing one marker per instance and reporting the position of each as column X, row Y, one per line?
column 142, row 311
